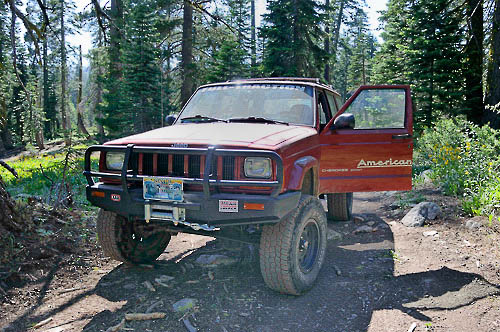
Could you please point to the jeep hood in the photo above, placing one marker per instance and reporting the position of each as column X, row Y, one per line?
column 253, row 135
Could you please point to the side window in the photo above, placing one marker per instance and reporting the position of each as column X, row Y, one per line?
column 324, row 111
column 331, row 101
column 379, row 109
column 339, row 101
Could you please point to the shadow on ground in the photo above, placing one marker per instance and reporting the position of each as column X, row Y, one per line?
column 238, row 300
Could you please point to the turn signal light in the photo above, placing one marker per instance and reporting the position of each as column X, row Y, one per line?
column 253, row 206
column 98, row 194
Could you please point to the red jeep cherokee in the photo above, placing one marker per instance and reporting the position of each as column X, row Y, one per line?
column 253, row 154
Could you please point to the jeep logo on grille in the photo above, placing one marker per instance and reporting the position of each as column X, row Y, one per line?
column 179, row 145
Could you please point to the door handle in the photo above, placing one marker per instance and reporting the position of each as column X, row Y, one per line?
column 402, row 136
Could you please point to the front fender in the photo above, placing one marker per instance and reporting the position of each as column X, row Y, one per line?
column 299, row 169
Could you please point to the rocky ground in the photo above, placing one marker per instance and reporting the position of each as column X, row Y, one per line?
column 379, row 275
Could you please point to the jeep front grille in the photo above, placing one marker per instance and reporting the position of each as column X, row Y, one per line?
column 178, row 165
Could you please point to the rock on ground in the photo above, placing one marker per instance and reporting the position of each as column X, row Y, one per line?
column 364, row 229
column 474, row 223
column 420, row 213
column 183, row 305
column 215, row 260
column 333, row 235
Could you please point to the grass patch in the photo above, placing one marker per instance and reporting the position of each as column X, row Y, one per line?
column 464, row 160
column 39, row 174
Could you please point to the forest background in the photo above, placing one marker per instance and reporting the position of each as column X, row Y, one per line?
column 148, row 56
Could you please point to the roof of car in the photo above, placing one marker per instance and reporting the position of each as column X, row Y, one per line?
column 315, row 82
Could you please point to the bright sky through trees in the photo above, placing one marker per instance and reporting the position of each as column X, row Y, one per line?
column 84, row 38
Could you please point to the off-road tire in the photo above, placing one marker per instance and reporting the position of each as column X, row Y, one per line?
column 280, row 248
column 339, row 206
column 119, row 242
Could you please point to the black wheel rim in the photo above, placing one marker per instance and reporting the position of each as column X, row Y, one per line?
column 308, row 246
column 140, row 247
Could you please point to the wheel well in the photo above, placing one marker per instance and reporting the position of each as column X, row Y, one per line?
column 308, row 183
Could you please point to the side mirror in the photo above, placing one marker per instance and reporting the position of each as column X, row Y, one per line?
column 170, row 119
column 344, row 121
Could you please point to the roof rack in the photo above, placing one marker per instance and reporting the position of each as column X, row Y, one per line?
column 297, row 79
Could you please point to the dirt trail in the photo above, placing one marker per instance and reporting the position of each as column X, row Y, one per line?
column 378, row 281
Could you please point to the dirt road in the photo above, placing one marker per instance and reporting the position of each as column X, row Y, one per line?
column 381, row 280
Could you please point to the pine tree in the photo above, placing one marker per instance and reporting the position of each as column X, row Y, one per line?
column 293, row 38
column 141, row 71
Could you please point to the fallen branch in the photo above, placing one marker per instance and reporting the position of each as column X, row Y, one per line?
column 68, row 290
column 116, row 327
column 153, row 315
column 43, row 322
column 10, row 169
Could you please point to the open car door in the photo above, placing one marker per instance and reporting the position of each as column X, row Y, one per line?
column 374, row 154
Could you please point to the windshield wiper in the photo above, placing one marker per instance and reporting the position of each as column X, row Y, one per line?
column 256, row 119
column 202, row 118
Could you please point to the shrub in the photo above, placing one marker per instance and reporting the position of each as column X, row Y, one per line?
column 464, row 159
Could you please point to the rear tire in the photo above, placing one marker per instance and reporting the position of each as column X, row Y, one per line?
column 131, row 242
column 339, row 206
column 292, row 252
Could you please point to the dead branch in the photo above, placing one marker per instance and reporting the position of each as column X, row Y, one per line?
column 153, row 315
column 10, row 169
column 200, row 8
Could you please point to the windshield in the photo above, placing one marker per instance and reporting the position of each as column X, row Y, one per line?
column 279, row 102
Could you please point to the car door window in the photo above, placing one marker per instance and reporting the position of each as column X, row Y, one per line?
column 379, row 109
column 323, row 109
column 331, row 102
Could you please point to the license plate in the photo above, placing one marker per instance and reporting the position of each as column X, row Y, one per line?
column 162, row 188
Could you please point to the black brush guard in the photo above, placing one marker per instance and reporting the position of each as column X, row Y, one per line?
column 200, row 206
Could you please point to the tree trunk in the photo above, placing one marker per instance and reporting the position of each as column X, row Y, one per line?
column 253, row 41
column 492, row 114
column 187, row 53
column 327, row 42
column 64, row 116
column 474, row 71
column 338, row 25
column 115, row 38
column 98, row 98
column 79, row 102
column 48, row 122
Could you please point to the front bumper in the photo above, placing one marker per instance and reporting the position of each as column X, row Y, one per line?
column 199, row 207
column 199, row 210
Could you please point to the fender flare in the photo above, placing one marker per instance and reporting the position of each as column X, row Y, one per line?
column 299, row 169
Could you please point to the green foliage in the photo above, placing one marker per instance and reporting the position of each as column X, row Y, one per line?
column 423, row 47
column 465, row 161
column 38, row 174
column 293, row 39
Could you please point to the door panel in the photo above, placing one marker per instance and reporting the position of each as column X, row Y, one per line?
column 377, row 154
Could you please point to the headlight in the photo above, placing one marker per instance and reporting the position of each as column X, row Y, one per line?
column 257, row 167
column 114, row 160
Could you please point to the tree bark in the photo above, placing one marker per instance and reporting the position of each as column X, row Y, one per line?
column 474, row 71
column 115, row 38
column 327, row 42
column 492, row 114
column 64, row 116
column 79, row 102
column 253, row 41
column 187, row 53
column 45, row 82
column 338, row 24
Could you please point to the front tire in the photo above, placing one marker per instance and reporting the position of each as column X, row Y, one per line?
column 131, row 242
column 292, row 252
column 339, row 206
